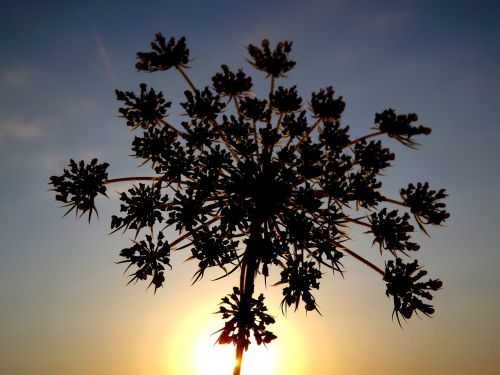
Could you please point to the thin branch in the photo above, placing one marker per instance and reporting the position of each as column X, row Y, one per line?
column 126, row 179
column 236, row 104
column 271, row 90
column 187, row 234
column 177, row 131
column 243, row 265
column 278, row 123
column 371, row 135
column 421, row 224
column 212, row 122
column 238, row 265
column 305, row 136
column 224, row 140
column 256, row 137
column 356, row 221
column 359, row 257
column 399, row 203
column 185, row 76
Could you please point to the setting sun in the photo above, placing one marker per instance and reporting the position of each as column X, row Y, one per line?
column 219, row 359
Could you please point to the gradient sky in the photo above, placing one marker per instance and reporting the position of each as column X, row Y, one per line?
column 64, row 307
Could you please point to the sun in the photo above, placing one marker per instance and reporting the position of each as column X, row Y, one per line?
column 219, row 359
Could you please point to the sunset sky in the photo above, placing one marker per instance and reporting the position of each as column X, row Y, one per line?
column 64, row 304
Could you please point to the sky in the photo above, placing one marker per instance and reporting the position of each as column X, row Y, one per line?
column 64, row 304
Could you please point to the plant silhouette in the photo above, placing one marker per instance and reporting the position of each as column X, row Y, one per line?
column 254, row 183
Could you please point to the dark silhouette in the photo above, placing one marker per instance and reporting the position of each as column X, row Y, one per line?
column 253, row 183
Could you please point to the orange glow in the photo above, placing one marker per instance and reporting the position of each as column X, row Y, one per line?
column 219, row 359
column 213, row 359
column 188, row 340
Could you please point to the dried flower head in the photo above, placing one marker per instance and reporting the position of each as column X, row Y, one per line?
column 255, row 183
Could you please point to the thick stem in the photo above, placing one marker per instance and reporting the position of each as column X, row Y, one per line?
column 247, row 285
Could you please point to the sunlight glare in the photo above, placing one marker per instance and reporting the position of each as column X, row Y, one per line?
column 219, row 359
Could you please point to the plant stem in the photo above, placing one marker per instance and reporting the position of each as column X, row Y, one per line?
column 371, row 135
column 194, row 230
column 356, row 221
column 393, row 201
column 125, row 179
column 271, row 90
column 360, row 258
column 247, row 283
column 185, row 76
column 236, row 104
column 305, row 136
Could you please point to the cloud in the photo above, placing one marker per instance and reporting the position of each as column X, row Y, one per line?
column 18, row 77
column 103, row 53
column 20, row 130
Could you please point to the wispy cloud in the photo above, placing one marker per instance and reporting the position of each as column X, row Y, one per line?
column 18, row 77
column 103, row 53
column 20, row 130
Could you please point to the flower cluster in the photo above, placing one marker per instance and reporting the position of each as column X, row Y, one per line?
column 79, row 185
column 254, row 182
column 300, row 277
column 405, row 286
column 145, row 110
column 243, row 319
column 150, row 258
column 164, row 56
column 425, row 204
column 391, row 231
column 275, row 63
column 231, row 84
column 325, row 106
column 143, row 206
column 400, row 126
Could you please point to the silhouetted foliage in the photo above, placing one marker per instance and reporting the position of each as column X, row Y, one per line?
column 78, row 187
column 244, row 318
column 403, row 283
column 254, row 183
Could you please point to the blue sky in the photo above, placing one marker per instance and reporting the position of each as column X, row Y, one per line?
column 63, row 299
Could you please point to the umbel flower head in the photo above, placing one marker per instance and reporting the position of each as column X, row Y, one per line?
column 164, row 55
column 79, row 185
column 253, row 183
